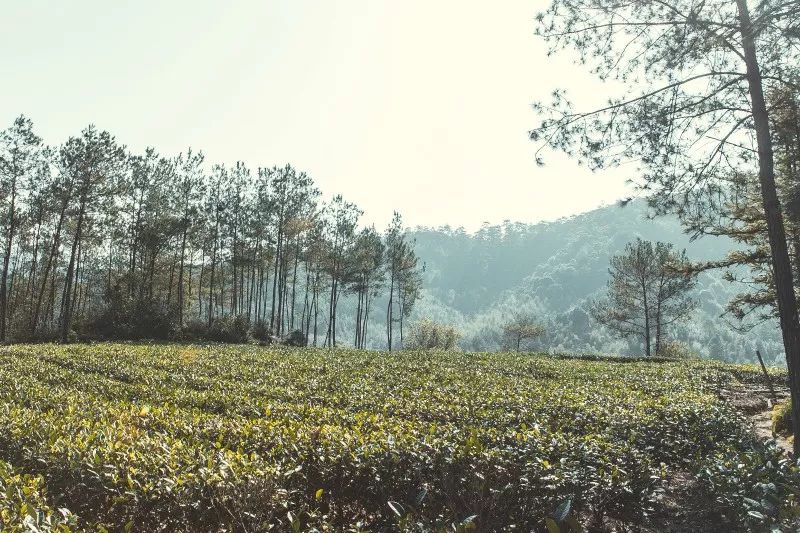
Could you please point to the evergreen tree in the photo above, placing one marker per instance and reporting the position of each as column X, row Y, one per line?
column 648, row 291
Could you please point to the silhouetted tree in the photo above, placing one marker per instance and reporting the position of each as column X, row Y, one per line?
column 744, row 221
column 342, row 221
column 429, row 335
column 188, row 198
column 367, row 274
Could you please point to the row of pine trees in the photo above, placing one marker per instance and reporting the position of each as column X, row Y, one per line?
column 98, row 242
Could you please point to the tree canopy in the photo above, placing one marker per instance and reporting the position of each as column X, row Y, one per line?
column 691, row 110
column 521, row 328
column 649, row 290
column 100, row 242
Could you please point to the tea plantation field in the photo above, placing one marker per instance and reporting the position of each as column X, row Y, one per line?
column 243, row 438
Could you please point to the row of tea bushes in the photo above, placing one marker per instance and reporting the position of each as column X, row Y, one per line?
column 251, row 439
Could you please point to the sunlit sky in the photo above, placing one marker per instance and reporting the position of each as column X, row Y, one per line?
column 417, row 106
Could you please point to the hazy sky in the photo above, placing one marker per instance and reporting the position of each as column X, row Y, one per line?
column 418, row 106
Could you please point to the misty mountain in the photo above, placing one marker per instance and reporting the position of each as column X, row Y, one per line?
column 475, row 281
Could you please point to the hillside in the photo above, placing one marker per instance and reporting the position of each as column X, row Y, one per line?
column 244, row 438
column 553, row 269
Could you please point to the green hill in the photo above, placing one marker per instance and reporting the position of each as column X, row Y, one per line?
column 552, row 269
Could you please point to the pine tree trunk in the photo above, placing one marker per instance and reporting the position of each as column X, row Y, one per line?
column 234, row 293
column 171, row 277
column 646, row 307
column 6, row 260
column 200, row 284
column 278, row 250
column 781, row 265
column 180, row 278
column 66, row 318
column 294, row 281
column 366, row 322
column 389, row 317
column 357, row 340
column 316, row 311
column 213, row 267
column 31, row 285
column 76, row 282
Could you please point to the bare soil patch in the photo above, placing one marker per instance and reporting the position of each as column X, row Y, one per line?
column 756, row 402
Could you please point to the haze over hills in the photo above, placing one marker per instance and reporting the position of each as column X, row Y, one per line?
column 553, row 269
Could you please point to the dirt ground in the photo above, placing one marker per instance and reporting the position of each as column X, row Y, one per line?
column 756, row 402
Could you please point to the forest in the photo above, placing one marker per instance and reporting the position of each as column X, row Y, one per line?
column 101, row 243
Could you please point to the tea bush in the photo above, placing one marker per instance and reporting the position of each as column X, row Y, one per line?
column 23, row 505
column 247, row 438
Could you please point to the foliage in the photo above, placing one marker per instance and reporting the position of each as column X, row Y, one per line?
column 24, row 507
column 782, row 418
column 692, row 112
column 128, row 318
column 429, row 335
column 229, row 328
column 296, row 338
column 647, row 292
column 553, row 270
column 676, row 350
column 194, row 330
column 97, row 242
column 261, row 332
column 682, row 79
column 749, row 265
column 219, row 437
column 405, row 280
column 521, row 328
column 758, row 487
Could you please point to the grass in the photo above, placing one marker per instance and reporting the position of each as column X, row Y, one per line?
column 243, row 438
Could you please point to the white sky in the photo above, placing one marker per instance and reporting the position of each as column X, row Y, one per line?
column 419, row 106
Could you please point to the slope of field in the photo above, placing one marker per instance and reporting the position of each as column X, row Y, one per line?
column 213, row 438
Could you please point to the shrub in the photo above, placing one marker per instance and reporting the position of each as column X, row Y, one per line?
column 430, row 335
column 194, row 330
column 521, row 328
column 19, row 327
column 782, row 418
column 129, row 318
column 676, row 350
column 229, row 329
column 261, row 332
column 756, row 486
column 295, row 338
column 24, row 507
column 192, row 438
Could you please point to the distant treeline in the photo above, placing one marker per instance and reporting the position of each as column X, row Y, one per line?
column 98, row 242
